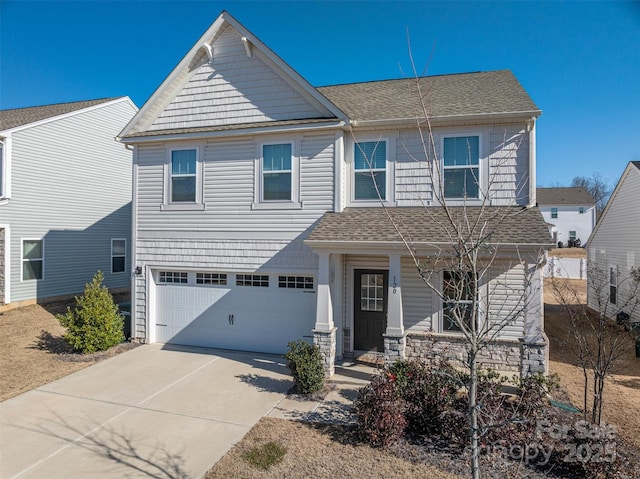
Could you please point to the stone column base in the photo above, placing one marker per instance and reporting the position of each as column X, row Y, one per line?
column 534, row 358
column 326, row 342
column 394, row 348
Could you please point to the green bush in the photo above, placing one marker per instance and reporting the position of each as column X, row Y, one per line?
column 95, row 323
column 305, row 363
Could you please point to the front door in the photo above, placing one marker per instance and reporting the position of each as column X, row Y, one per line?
column 370, row 309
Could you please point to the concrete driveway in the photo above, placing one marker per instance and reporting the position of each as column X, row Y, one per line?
column 153, row 411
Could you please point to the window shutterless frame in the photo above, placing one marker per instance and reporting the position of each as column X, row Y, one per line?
column 277, row 175
column 370, row 171
column 32, row 259
column 461, row 166
column 118, row 255
column 183, row 178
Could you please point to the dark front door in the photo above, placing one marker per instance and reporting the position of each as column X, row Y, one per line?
column 370, row 309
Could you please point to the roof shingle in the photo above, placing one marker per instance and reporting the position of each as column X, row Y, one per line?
column 566, row 195
column 23, row 116
column 429, row 225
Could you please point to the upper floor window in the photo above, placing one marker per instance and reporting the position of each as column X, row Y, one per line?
column 118, row 255
column 554, row 212
column 370, row 170
column 581, row 210
column 32, row 259
column 461, row 172
column 183, row 176
column 277, row 172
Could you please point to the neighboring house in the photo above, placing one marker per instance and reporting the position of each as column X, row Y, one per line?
column 256, row 220
column 65, row 199
column 614, row 248
column 570, row 211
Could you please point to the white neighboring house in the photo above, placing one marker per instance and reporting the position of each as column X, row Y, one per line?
column 257, row 221
column 570, row 211
column 65, row 199
column 614, row 245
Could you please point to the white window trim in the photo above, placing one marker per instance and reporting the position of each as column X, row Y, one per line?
column 22, row 260
column 198, row 204
column 390, row 173
column 125, row 255
column 483, row 166
column 294, row 203
column 5, row 165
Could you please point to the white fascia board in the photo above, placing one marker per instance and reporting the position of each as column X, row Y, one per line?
column 331, row 125
column 67, row 115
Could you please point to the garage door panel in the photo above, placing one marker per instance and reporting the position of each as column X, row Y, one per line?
column 233, row 317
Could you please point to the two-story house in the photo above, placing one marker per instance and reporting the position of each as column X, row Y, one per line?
column 260, row 207
column 613, row 250
column 571, row 212
column 65, row 199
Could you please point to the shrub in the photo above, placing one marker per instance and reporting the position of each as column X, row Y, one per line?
column 94, row 324
column 380, row 411
column 305, row 363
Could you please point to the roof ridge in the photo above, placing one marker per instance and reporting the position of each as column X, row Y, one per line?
column 419, row 77
column 103, row 99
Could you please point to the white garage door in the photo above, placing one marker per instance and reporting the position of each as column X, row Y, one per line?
column 242, row 314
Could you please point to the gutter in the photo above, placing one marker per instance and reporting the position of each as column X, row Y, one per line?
column 444, row 118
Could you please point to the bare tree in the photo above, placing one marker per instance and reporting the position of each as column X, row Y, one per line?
column 461, row 272
column 597, row 187
column 600, row 336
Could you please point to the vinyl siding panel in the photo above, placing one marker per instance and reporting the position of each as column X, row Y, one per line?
column 420, row 305
column 506, row 299
column 509, row 165
column 235, row 90
column 228, row 188
column 616, row 243
column 71, row 187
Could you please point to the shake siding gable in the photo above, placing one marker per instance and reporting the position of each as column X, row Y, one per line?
column 236, row 89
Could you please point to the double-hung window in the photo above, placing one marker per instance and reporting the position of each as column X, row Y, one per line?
column 32, row 259
column 370, row 170
column 581, row 210
column 461, row 167
column 277, row 172
column 554, row 213
column 183, row 170
column 459, row 297
column 118, row 255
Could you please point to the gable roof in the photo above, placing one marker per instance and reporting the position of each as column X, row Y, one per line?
column 445, row 96
column 17, row 117
column 631, row 166
column 428, row 225
column 569, row 195
column 171, row 86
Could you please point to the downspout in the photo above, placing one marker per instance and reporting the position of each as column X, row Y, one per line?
column 531, row 127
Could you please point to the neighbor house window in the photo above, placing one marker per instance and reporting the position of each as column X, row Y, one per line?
column 211, row 278
column 261, row 280
column 581, row 210
column 295, row 282
column 457, row 308
column 118, row 255
column 613, row 285
column 461, row 167
column 277, row 172
column 370, row 170
column 554, row 212
column 572, row 235
column 183, row 176
column 32, row 259
column 174, row 277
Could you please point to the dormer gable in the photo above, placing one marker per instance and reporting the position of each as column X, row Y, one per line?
column 229, row 78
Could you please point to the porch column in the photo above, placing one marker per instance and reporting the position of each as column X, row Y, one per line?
column 324, row 333
column 394, row 339
column 534, row 348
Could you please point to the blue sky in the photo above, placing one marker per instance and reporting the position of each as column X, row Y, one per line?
column 579, row 61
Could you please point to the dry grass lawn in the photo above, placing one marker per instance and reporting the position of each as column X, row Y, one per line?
column 315, row 451
column 568, row 252
column 622, row 391
column 33, row 352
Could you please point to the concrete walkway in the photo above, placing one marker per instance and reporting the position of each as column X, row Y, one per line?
column 154, row 411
